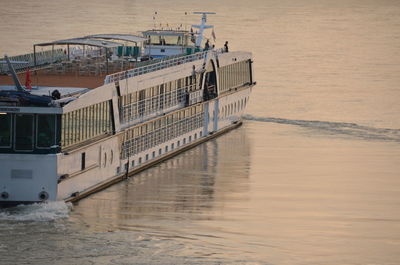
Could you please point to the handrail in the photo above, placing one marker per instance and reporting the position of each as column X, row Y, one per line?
column 42, row 59
column 164, row 63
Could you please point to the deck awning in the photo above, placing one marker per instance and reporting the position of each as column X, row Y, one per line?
column 82, row 41
column 167, row 33
column 122, row 37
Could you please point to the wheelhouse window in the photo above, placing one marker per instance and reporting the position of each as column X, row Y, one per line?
column 46, row 135
column 5, row 130
column 167, row 39
column 23, row 132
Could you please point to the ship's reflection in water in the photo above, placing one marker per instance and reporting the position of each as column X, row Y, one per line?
column 183, row 198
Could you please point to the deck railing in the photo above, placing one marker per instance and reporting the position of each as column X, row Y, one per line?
column 154, row 65
column 27, row 60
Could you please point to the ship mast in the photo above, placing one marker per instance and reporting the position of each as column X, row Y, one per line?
column 202, row 26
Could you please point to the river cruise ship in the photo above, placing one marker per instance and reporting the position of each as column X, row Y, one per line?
column 97, row 109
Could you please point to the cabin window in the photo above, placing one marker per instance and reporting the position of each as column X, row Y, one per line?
column 24, row 132
column 5, row 130
column 166, row 40
column 46, row 135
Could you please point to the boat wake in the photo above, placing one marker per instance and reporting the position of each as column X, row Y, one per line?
column 337, row 128
column 40, row 212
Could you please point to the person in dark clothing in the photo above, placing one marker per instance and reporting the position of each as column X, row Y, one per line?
column 226, row 46
column 207, row 45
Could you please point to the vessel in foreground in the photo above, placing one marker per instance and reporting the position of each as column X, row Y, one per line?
column 107, row 106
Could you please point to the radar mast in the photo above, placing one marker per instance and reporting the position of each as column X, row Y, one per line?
column 202, row 26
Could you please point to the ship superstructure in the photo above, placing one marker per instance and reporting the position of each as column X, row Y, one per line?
column 99, row 114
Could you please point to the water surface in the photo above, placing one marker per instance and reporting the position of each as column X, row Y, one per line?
column 312, row 177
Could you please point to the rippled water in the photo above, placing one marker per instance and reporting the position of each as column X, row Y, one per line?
column 312, row 177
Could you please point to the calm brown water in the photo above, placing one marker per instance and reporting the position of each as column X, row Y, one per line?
column 312, row 177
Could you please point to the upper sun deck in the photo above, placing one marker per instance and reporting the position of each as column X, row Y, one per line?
column 80, row 62
column 96, row 60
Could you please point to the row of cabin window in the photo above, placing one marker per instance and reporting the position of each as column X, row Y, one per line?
column 86, row 123
column 152, row 105
column 166, row 122
column 161, row 89
column 160, row 152
column 167, row 40
column 161, row 135
column 234, row 75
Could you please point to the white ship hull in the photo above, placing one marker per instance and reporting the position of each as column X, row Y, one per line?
column 31, row 175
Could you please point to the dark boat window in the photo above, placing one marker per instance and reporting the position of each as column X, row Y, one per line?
column 83, row 161
column 5, row 130
column 23, row 132
column 46, row 135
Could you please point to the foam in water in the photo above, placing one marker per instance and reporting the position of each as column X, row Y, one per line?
column 338, row 128
column 39, row 212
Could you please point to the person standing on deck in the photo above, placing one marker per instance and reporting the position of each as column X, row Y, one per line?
column 226, row 46
column 207, row 45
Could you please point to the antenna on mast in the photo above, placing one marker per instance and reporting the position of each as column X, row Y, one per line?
column 185, row 21
column 154, row 19
column 202, row 26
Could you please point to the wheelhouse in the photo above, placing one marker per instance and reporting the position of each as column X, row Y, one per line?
column 162, row 43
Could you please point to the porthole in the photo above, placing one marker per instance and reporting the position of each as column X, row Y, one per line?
column 43, row 196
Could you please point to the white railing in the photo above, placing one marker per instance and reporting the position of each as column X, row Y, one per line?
column 158, row 65
column 147, row 107
column 27, row 60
